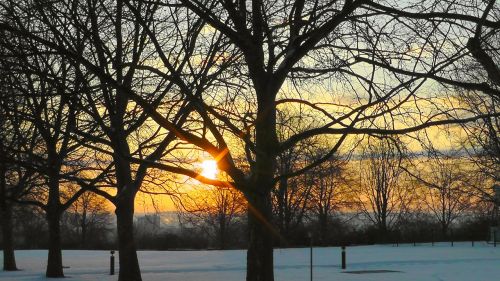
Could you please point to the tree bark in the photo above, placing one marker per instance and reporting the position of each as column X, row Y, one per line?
column 53, row 214
column 260, row 264
column 129, row 263
column 54, row 262
column 124, row 199
column 9, row 259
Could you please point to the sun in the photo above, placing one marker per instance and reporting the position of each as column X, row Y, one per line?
column 209, row 169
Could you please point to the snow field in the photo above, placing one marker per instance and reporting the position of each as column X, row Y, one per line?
column 423, row 262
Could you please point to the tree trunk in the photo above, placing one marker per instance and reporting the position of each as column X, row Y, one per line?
column 54, row 262
column 282, row 191
column 9, row 259
column 444, row 230
column 83, row 238
column 124, row 200
column 323, row 228
column 260, row 266
column 222, row 233
column 383, row 228
column 260, row 250
column 129, row 264
column 383, row 232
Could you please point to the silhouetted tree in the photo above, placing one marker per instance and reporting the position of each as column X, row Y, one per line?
column 89, row 219
column 217, row 210
column 108, row 44
column 384, row 193
column 447, row 194
column 330, row 193
column 300, row 43
column 370, row 57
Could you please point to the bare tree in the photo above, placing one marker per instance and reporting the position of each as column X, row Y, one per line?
column 384, row 195
column 46, row 88
column 109, row 46
column 330, row 192
column 447, row 195
column 300, row 43
column 291, row 196
column 6, row 139
column 447, row 192
column 16, row 181
column 481, row 143
column 215, row 209
column 362, row 48
column 90, row 218
column 12, row 176
column 475, row 75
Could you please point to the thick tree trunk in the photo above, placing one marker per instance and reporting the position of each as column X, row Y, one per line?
column 129, row 264
column 260, row 250
column 53, row 214
column 383, row 229
column 124, row 202
column 54, row 262
column 9, row 259
column 383, row 232
column 260, row 266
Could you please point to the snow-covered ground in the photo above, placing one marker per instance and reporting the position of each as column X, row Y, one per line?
column 424, row 262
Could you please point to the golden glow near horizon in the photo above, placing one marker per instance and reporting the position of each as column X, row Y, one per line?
column 209, row 169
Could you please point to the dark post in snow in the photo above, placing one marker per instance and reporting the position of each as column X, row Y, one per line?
column 451, row 231
column 310, row 253
column 432, row 237
column 112, row 263
column 343, row 258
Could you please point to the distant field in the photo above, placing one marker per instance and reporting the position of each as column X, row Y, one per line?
column 367, row 263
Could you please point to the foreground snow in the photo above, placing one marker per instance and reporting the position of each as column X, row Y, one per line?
column 421, row 263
